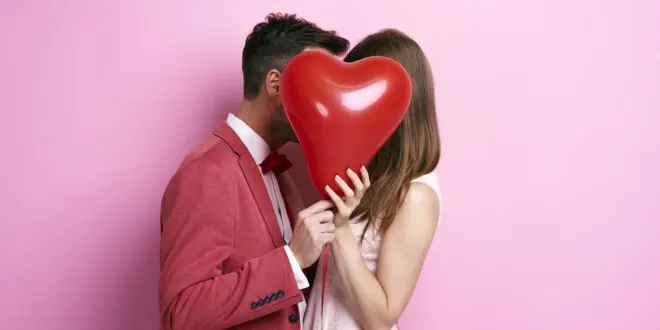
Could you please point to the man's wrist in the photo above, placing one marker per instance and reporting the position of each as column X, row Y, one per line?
column 295, row 256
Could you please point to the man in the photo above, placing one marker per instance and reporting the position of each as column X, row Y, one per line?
column 229, row 255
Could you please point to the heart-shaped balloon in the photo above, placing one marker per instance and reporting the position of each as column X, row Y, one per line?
column 343, row 113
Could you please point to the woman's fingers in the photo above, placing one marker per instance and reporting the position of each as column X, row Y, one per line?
column 348, row 192
column 365, row 177
column 341, row 206
column 346, row 205
column 359, row 186
column 333, row 196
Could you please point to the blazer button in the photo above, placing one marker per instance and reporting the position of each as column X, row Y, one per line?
column 280, row 294
column 254, row 305
column 293, row 318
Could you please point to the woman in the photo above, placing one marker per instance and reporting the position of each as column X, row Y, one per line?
column 376, row 257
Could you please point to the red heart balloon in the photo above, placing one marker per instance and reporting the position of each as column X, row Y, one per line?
column 343, row 112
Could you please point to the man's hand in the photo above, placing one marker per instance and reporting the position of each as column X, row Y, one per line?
column 314, row 228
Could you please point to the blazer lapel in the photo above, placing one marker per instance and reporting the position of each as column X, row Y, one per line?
column 255, row 181
column 260, row 194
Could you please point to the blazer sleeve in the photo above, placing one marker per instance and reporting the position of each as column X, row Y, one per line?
column 195, row 292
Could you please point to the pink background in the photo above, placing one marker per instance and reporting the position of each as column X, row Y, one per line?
column 550, row 117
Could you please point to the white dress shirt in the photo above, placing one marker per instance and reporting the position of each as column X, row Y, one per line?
column 259, row 150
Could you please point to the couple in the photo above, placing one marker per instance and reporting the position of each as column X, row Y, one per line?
column 238, row 248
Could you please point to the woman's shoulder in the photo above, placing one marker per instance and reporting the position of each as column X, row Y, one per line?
column 424, row 196
column 428, row 181
column 421, row 194
column 419, row 213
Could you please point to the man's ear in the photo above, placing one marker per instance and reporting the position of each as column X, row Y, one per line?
column 273, row 78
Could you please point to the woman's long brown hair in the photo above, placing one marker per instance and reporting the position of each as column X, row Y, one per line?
column 414, row 148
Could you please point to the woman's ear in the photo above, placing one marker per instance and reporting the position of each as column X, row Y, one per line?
column 273, row 78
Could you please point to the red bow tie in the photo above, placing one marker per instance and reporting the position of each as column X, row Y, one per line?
column 275, row 163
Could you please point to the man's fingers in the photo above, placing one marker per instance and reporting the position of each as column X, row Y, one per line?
column 327, row 237
column 321, row 217
column 317, row 207
column 327, row 227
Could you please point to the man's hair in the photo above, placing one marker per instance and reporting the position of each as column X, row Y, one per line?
column 277, row 40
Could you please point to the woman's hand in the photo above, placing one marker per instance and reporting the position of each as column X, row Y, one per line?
column 352, row 198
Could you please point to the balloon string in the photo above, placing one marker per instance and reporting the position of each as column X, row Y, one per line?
column 324, row 275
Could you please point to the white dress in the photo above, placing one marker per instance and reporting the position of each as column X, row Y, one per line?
column 335, row 314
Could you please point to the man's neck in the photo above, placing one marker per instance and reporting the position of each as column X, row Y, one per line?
column 254, row 114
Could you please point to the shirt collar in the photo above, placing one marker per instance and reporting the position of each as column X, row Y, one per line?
column 255, row 144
